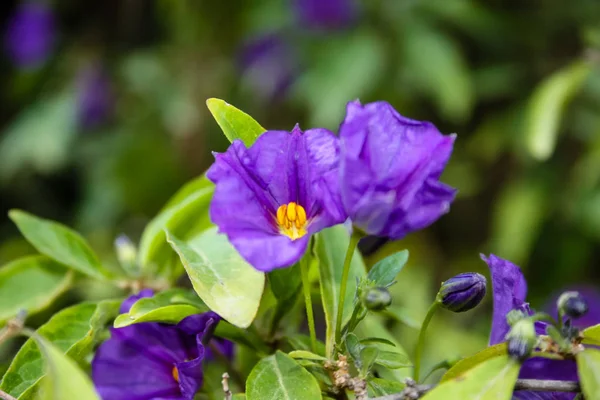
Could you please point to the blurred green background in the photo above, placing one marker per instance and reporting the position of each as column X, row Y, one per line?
column 103, row 117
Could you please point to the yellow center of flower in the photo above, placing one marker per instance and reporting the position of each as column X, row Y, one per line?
column 175, row 374
column 291, row 218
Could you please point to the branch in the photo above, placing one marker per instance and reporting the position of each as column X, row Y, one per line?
column 6, row 396
column 533, row 385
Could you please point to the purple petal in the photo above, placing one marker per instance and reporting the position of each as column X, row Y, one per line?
column 390, row 168
column 30, row 34
column 325, row 15
column 95, row 97
column 509, row 291
column 123, row 370
column 190, row 374
column 251, row 184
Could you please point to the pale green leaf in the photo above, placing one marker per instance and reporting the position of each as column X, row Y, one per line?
column 469, row 362
column 330, row 249
column 170, row 306
column 59, row 243
column 235, row 123
column 588, row 369
column 306, row 355
column 393, row 359
column 65, row 379
column 383, row 387
column 31, row 284
column 591, row 335
column 279, row 377
column 74, row 331
column 384, row 272
column 547, row 105
column 221, row 277
column 493, row 379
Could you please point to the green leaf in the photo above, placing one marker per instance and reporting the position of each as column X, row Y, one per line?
column 74, row 331
column 170, row 306
column 247, row 337
column 492, row 379
column 383, row 387
column 300, row 341
column 468, row 363
column 185, row 215
column 306, row 355
column 41, row 137
column 371, row 340
column 353, row 347
column 393, row 360
column 588, row 369
column 591, row 335
column 235, row 123
column 368, row 357
column 547, row 105
column 279, row 377
column 65, row 379
column 330, row 249
column 31, row 284
column 222, row 278
column 285, row 282
column 59, row 243
column 384, row 272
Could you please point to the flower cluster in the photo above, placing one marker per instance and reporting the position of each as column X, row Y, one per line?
column 382, row 172
column 510, row 292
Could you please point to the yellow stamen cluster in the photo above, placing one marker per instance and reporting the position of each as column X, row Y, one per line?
column 291, row 218
column 175, row 374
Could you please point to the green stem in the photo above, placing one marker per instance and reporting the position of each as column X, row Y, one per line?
column 419, row 350
column 550, row 356
column 344, row 283
column 561, row 317
column 304, row 268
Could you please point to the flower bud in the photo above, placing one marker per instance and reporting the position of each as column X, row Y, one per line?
column 462, row 292
column 521, row 339
column 126, row 254
column 572, row 304
column 515, row 316
column 376, row 299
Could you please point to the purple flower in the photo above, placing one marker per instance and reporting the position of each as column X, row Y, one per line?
column 463, row 292
column 153, row 360
column 271, row 197
column 95, row 97
column 30, row 34
column 510, row 290
column 325, row 15
column 390, row 170
column 269, row 65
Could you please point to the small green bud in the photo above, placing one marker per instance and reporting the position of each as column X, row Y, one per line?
column 521, row 339
column 376, row 299
column 572, row 304
column 515, row 316
column 127, row 254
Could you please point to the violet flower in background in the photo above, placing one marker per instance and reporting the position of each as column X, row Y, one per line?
column 30, row 34
column 510, row 291
column 390, row 169
column 271, row 197
column 269, row 65
column 152, row 360
column 325, row 14
column 95, row 99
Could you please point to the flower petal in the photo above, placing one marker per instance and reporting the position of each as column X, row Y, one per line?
column 269, row 252
column 509, row 291
column 390, row 168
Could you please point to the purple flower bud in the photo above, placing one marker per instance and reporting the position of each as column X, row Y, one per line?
column 572, row 304
column 326, row 15
column 462, row 292
column 95, row 97
column 377, row 299
column 390, row 169
column 30, row 34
